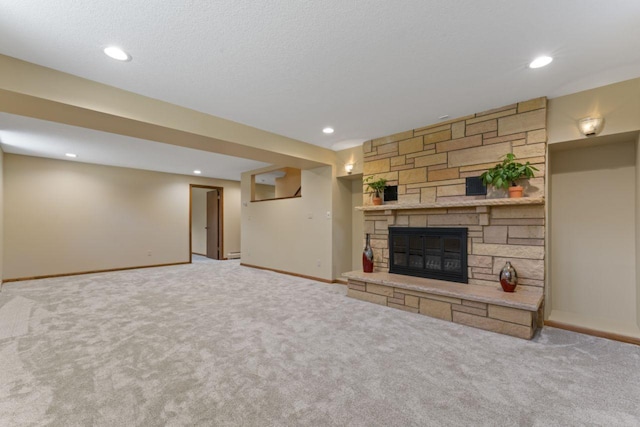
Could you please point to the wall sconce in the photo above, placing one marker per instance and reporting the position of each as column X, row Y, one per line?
column 349, row 168
column 590, row 126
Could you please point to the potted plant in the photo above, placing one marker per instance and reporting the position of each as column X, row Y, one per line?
column 505, row 174
column 378, row 186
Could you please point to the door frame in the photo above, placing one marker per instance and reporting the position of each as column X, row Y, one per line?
column 220, row 216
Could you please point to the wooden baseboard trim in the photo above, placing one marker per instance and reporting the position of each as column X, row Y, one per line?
column 221, row 259
column 593, row 332
column 109, row 270
column 341, row 281
column 317, row 279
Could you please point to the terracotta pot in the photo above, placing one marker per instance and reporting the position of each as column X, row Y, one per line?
column 515, row 192
column 377, row 200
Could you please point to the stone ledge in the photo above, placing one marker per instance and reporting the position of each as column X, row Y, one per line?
column 522, row 299
column 471, row 305
column 455, row 204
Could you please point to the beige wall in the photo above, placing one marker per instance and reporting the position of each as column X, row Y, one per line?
column 65, row 217
column 638, row 231
column 291, row 235
column 1, row 213
column 347, row 222
column 35, row 91
column 288, row 185
column 357, row 221
column 353, row 155
column 313, row 229
column 232, row 220
column 264, row 192
column 618, row 104
column 341, row 226
column 593, row 236
column 199, row 220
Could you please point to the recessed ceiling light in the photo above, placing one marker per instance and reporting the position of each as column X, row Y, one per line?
column 327, row 130
column 117, row 53
column 540, row 61
column 197, row 172
column 71, row 155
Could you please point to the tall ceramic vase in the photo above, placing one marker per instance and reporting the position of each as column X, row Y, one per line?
column 508, row 278
column 367, row 257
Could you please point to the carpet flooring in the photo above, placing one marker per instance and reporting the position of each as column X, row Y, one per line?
column 217, row 344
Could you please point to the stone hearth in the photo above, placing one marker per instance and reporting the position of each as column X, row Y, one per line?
column 517, row 314
column 500, row 230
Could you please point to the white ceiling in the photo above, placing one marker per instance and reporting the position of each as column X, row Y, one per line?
column 368, row 68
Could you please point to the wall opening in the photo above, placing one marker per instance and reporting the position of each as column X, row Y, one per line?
column 593, row 235
column 206, row 222
column 282, row 183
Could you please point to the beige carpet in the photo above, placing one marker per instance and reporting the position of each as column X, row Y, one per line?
column 216, row 344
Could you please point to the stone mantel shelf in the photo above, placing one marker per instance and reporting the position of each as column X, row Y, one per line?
column 523, row 299
column 456, row 204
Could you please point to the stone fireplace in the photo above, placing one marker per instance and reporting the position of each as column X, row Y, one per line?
column 429, row 166
column 498, row 230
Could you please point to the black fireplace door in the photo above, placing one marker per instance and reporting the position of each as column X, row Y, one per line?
column 435, row 253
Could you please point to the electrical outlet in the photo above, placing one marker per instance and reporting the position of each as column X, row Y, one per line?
column 319, row 263
column 328, row 214
column 149, row 253
column 310, row 215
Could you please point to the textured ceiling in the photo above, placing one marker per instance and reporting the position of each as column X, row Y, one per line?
column 368, row 68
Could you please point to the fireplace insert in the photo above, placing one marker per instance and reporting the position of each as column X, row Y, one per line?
column 434, row 253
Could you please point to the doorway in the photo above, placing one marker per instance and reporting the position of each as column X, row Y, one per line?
column 206, row 221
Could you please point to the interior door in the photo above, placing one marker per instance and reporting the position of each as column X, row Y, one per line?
column 213, row 224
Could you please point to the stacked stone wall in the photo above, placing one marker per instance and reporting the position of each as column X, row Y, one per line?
column 429, row 165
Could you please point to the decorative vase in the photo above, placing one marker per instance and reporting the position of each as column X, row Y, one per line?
column 508, row 278
column 515, row 192
column 367, row 257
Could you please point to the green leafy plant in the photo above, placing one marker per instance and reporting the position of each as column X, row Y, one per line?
column 378, row 185
column 507, row 173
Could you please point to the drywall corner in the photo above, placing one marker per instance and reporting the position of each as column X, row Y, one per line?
column 353, row 156
column 638, row 231
column 1, row 214
column 291, row 235
column 618, row 104
column 342, row 243
column 357, row 225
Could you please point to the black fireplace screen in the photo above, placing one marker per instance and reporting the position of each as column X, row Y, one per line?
column 435, row 253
